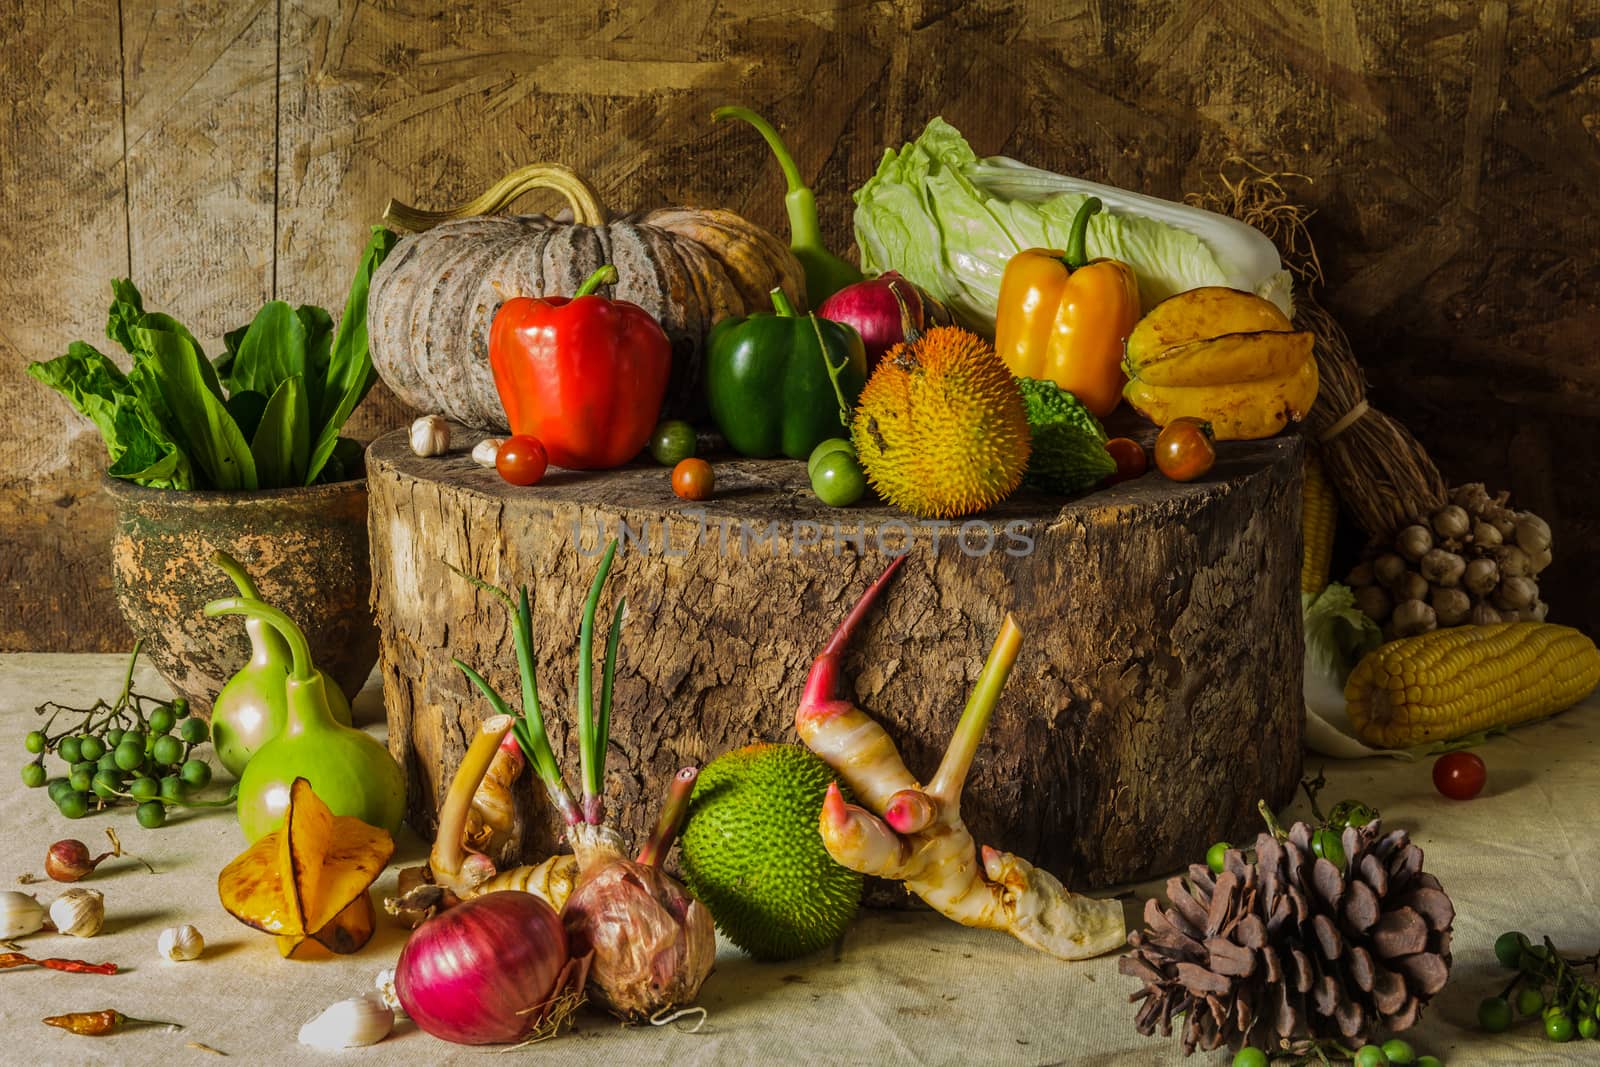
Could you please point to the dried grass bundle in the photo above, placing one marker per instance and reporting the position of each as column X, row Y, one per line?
column 1383, row 475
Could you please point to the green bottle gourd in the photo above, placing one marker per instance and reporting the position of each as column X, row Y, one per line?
column 351, row 771
column 250, row 709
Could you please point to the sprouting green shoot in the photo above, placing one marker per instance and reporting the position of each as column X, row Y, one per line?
column 591, row 740
column 613, row 642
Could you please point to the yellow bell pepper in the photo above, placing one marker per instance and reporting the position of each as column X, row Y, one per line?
column 1064, row 317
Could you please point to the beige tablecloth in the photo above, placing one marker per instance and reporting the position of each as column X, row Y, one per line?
column 901, row 988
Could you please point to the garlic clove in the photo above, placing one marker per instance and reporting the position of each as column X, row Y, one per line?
column 79, row 912
column 180, row 943
column 384, row 984
column 20, row 915
column 363, row 1020
column 430, row 436
column 486, row 451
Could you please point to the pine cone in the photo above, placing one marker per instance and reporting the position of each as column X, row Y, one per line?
column 1291, row 950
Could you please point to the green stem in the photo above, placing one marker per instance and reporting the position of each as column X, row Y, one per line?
column 304, row 670
column 1077, row 252
column 591, row 748
column 127, row 678
column 780, row 303
column 952, row 774
column 235, row 570
column 833, row 373
column 804, row 230
column 1271, row 821
column 606, row 275
column 608, row 674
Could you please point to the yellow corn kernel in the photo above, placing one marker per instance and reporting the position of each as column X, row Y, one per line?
column 1318, row 510
column 1449, row 683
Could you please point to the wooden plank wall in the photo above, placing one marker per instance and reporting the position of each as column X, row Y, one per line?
column 228, row 151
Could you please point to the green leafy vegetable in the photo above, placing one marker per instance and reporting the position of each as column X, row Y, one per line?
column 950, row 221
column 1338, row 633
column 266, row 415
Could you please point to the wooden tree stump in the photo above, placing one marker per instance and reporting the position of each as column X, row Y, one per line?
column 1156, row 699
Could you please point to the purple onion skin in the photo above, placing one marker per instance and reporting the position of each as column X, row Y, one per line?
column 870, row 307
column 654, row 944
column 467, row 973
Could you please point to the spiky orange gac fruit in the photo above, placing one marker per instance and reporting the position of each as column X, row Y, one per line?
column 940, row 429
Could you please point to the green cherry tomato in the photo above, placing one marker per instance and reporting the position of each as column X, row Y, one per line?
column 151, row 814
column 672, row 442
column 1509, row 947
column 70, row 750
column 162, row 720
column 1530, row 1001
column 128, row 756
column 195, row 772
column 1558, row 1028
column 1327, row 844
column 74, row 805
column 91, row 747
column 1494, row 1014
column 167, row 751
column 1370, row 1056
column 1429, row 1061
column 144, row 788
column 33, row 775
column 838, row 480
column 34, row 742
column 1398, row 1051
column 194, row 731
column 1249, row 1057
column 832, row 444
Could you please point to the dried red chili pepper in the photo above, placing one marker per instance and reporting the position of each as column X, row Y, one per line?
column 17, row 959
column 100, row 1023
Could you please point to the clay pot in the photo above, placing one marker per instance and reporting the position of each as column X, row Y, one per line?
column 306, row 548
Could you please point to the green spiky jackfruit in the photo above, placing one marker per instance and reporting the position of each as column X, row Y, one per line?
column 1069, row 444
column 752, row 855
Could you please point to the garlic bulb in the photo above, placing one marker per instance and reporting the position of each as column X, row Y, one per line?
column 363, row 1020
column 20, row 914
column 384, row 984
column 180, row 943
column 79, row 912
column 430, row 436
column 485, row 451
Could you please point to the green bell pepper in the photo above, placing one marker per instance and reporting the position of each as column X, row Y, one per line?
column 776, row 382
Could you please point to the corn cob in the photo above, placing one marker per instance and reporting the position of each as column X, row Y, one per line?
column 1318, row 509
column 1449, row 683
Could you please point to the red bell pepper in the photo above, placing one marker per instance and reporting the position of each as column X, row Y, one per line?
column 584, row 375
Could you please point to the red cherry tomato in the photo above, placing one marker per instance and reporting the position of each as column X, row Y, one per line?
column 1459, row 775
column 1185, row 449
column 1130, row 459
column 692, row 479
column 521, row 460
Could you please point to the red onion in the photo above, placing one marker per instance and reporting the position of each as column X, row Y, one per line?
column 491, row 970
column 870, row 306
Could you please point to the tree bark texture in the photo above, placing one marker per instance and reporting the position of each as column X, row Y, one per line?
column 1156, row 699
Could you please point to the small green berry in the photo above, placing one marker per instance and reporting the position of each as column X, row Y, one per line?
column 180, row 707
column 144, row 788
column 74, row 805
column 672, row 442
column 151, row 814
column 59, row 787
column 1588, row 1028
column 194, row 731
column 1398, row 1051
column 1530, row 1001
column 173, row 788
column 162, row 720
column 1371, row 1056
column 195, row 772
column 113, row 737
column 1429, row 1061
column 70, row 750
column 1494, row 1014
column 33, row 775
column 1216, row 856
column 1509, row 947
column 34, row 742
column 167, row 750
column 1249, row 1057
column 91, row 747
column 128, row 756
column 1558, row 1028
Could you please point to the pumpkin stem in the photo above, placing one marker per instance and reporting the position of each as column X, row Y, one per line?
column 586, row 207
column 606, row 275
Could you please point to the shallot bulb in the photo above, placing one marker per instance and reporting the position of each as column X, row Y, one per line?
column 654, row 944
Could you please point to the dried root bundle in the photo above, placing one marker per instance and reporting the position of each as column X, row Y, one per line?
column 1383, row 474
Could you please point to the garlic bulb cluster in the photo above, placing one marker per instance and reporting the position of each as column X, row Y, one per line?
column 180, row 943
column 486, row 451
column 79, row 912
column 430, row 436
column 1474, row 561
column 363, row 1020
column 20, row 915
